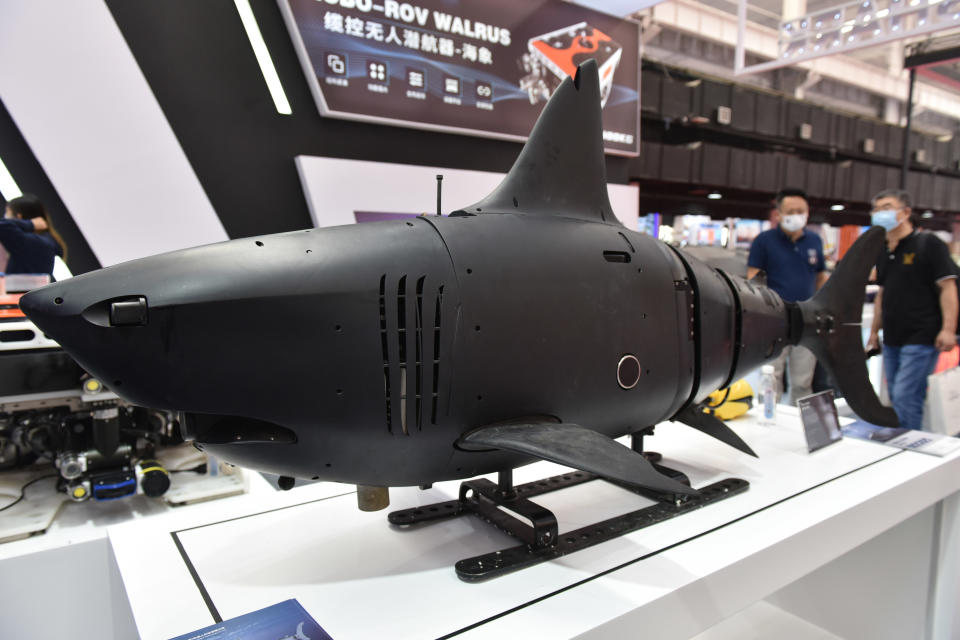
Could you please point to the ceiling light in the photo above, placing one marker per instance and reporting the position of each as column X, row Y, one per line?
column 714, row 195
column 927, row 215
column 837, row 207
column 267, row 68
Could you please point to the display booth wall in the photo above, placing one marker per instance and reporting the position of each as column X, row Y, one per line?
column 154, row 124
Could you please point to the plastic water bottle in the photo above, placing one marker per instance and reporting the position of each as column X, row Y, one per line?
column 768, row 396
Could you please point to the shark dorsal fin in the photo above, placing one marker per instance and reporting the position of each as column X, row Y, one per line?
column 561, row 169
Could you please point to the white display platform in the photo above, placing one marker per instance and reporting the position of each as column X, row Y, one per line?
column 70, row 569
column 361, row 578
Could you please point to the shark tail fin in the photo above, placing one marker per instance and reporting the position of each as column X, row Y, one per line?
column 829, row 324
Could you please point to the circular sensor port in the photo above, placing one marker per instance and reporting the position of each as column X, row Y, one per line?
column 628, row 372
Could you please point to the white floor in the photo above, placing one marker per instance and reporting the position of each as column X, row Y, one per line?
column 764, row 621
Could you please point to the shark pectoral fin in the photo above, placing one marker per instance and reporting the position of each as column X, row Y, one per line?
column 713, row 426
column 574, row 446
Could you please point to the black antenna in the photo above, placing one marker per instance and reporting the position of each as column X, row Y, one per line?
column 439, row 184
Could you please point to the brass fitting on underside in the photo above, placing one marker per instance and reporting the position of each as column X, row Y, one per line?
column 372, row 498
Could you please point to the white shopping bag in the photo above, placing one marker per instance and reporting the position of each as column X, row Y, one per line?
column 942, row 411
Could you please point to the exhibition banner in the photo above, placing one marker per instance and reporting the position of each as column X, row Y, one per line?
column 475, row 67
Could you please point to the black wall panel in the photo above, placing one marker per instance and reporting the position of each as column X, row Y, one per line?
column 795, row 173
column 941, row 154
column 797, row 113
column 923, row 194
column 916, row 143
column 741, row 174
column 913, row 186
column 650, row 160
column 842, row 135
column 894, row 142
column 676, row 163
column 713, row 95
column 714, row 165
column 767, row 171
column 819, row 184
column 878, row 179
column 954, row 203
column 929, row 146
column 675, row 98
column 882, row 140
column 650, row 82
column 941, row 191
column 840, row 181
column 768, row 114
column 822, row 122
column 913, row 183
column 743, row 102
column 892, row 181
column 860, row 181
column 862, row 129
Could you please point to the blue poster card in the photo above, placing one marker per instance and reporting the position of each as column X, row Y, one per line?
column 283, row 621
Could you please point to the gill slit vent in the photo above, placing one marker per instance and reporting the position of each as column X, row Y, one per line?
column 402, row 358
column 410, row 339
column 419, row 370
column 435, row 391
column 383, row 348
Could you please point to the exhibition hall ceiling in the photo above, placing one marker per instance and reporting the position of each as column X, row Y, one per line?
column 770, row 14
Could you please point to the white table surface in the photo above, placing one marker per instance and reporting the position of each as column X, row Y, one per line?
column 361, row 578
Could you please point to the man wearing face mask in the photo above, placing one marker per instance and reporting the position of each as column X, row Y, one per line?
column 793, row 261
column 916, row 305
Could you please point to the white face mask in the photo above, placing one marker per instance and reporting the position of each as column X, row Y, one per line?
column 794, row 222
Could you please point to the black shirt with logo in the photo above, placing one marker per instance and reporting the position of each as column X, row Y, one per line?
column 911, row 295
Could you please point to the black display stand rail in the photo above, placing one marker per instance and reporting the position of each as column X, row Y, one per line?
column 536, row 526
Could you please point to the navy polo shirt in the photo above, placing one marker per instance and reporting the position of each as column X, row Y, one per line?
column 30, row 252
column 791, row 267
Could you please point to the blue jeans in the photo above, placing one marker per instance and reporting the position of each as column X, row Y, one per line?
column 907, row 368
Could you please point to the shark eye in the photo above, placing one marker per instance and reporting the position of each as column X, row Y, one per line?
column 126, row 311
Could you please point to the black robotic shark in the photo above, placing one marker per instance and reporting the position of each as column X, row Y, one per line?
column 529, row 325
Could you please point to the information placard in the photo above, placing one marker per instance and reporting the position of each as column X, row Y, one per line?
column 818, row 413
column 286, row 620
column 480, row 68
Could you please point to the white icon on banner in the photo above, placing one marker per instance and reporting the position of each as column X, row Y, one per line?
column 415, row 78
column 336, row 64
column 378, row 71
column 484, row 90
column 451, row 85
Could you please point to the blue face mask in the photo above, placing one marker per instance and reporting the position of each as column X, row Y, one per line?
column 886, row 219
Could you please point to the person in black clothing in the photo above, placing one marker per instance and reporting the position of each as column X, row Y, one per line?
column 916, row 305
column 29, row 237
